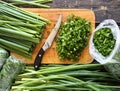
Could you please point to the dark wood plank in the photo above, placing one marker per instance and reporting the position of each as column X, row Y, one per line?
column 103, row 9
column 70, row 3
column 85, row 3
column 114, row 14
column 107, row 3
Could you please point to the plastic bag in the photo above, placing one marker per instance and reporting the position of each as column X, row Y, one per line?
column 9, row 72
column 113, row 58
column 3, row 56
column 116, row 34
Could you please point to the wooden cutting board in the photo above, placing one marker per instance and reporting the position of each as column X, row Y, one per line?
column 51, row 56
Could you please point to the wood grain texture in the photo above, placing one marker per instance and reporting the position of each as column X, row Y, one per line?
column 51, row 55
column 104, row 9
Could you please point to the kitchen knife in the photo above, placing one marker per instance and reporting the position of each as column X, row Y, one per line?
column 47, row 44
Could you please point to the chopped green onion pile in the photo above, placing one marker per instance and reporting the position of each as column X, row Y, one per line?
column 20, row 30
column 73, row 37
column 76, row 77
column 104, row 41
column 38, row 3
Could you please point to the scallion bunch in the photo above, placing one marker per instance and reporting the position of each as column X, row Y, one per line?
column 76, row 77
column 20, row 30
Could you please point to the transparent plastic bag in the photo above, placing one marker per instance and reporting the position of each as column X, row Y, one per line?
column 113, row 58
column 3, row 56
column 113, row 68
column 9, row 72
column 116, row 51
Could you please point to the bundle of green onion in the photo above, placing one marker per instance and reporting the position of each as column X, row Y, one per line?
column 20, row 30
column 38, row 3
column 76, row 77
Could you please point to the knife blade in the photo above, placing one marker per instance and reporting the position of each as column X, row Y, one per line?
column 47, row 44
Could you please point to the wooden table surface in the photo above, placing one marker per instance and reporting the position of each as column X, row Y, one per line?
column 104, row 9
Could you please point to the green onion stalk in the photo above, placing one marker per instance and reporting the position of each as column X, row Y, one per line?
column 37, row 3
column 20, row 30
column 76, row 77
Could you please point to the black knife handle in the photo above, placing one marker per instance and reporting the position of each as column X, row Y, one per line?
column 38, row 59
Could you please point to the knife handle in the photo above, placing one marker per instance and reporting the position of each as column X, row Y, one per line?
column 38, row 59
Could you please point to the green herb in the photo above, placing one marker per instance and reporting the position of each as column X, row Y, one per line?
column 73, row 37
column 20, row 30
column 76, row 77
column 104, row 41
